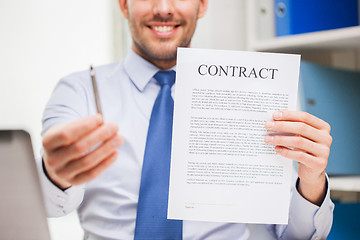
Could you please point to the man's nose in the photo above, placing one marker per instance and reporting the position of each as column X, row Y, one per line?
column 164, row 8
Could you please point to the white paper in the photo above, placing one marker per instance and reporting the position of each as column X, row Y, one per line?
column 221, row 168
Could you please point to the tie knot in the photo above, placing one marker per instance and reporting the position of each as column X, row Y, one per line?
column 165, row 77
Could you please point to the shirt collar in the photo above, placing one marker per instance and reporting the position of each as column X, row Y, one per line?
column 140, row 70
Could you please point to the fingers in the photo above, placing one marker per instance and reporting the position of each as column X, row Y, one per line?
column 301, row 124
column 300, row 143
column 301, row 129
column 95, row 171
column 68, row 133
column 308, row 142
column 61, row 156
column 302, row 117
column 84, row 147
column 85, row 144
column 89, row 161
column 302, row 158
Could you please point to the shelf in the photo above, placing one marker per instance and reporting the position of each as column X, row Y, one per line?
column 345, row 183
column 344, row 38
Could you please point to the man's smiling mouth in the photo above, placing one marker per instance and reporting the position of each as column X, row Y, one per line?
column 163, row 28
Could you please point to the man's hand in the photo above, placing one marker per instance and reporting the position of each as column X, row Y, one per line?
column 308, row 144
column 69, row 154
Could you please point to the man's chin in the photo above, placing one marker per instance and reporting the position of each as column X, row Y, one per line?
column 167, row 56
column 160, row 54
column 159, row 50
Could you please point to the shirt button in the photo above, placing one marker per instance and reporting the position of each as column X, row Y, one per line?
column 61, row 198
column 319, row 215
column 59, row 211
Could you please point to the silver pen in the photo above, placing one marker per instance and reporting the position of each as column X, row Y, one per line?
column 95, row 89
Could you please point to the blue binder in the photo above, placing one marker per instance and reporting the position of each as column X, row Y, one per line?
column 302, row 16
column 346, row 224
column 334, row 95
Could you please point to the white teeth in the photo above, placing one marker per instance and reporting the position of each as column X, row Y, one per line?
column 163, row 28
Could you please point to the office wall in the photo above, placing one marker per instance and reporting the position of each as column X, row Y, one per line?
column 223, row 26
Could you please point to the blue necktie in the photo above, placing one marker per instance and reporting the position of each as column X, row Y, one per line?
column 151, row 219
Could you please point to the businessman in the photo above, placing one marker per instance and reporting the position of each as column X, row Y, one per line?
column 114, row 168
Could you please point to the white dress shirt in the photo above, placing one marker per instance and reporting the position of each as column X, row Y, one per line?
column 107, row 205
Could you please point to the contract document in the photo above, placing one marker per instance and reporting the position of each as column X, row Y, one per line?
column 221, row 168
